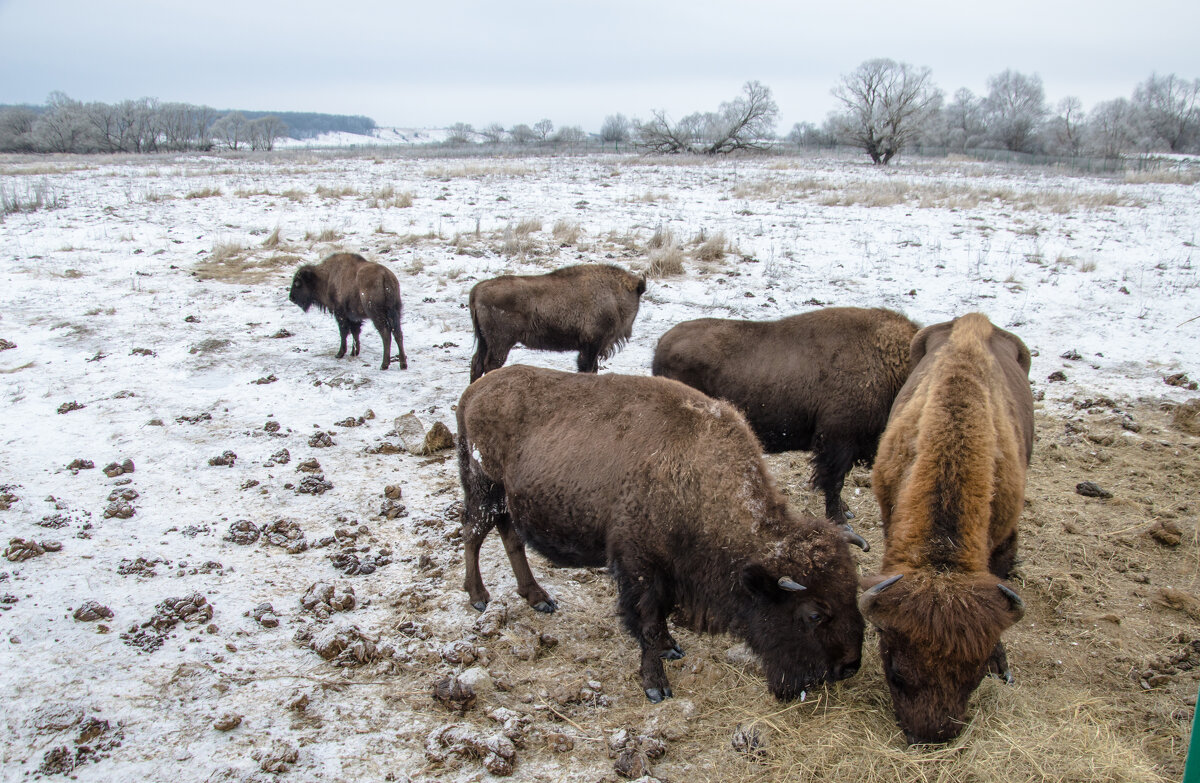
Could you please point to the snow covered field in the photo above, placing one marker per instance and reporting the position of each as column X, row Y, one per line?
column 149, row 321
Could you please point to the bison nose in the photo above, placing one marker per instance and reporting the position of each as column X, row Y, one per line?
column 846, row 670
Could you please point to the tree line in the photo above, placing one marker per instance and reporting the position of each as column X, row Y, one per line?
column 148, row 125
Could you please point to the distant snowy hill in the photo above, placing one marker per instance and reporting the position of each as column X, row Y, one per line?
column 381, row 136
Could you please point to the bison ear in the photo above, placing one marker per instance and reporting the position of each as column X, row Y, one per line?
column 758, row 579
column 641, row 285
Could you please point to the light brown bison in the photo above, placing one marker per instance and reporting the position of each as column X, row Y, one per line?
column 950, row 481
column 354, row 290
column 667, row 488
column 587, row 308
column 822, row 381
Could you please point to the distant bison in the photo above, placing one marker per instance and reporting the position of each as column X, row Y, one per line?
column 822, row 380
column 950, row 481
column 666, row 487
column 354, row 290
column 587, row 308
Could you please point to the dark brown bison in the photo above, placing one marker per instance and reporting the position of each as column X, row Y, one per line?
column 950, row 481
column 667, row 488
column 354, row 290
column 587, row 308
column 822, row 381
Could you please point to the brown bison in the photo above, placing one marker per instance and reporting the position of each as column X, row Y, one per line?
column 950, row 481
column 354, row 290
column 822, row 381
column 667, row 488
column 587, row 308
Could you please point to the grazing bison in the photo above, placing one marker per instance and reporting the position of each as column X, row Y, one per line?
column 667, row 488
column 354, row 290
column 822, row 381
column 950, row 481
column 587, row 308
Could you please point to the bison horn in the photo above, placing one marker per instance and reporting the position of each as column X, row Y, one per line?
column 790, row 585
column 867, row 599
column 1018, row 606
column 854, row 538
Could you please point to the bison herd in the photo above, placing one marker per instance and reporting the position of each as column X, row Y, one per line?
column 662, row 479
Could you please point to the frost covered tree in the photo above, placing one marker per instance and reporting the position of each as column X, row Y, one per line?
column 1168, row 110
column 460, row 133
column 885, row 104
column 615, row 129
column 522, row 134
column 63, row 126
column 1111, row 128
column 493, row 134
column 542, row 129
column 1014, row 110
column 1064, row 130
column 16, row 129
column 569, row 134
column 745, row 123
column 962, row 120
column 231, row 130
column 265, row 131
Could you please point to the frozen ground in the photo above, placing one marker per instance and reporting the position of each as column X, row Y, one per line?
column 154, row 295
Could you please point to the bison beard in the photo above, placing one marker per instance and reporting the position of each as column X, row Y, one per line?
column 668, row 489
column 950, row 481
column 587, row 308
column 822, row 381
column 354, row 290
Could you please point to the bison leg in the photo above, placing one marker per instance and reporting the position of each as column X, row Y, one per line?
column 385, row 333
column 527, row 586
column 343, row 330
column 483, row 507
column 830, row 466
column 356, row 330
column 487, row 359
column 400, row 348
column 645, row 600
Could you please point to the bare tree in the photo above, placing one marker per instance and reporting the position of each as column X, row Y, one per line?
column 1169, row 112
column 806, row 134
column 963, row 122
column 615, row 129
column 1111, row 128
column 231, row 130
column 1064, row 131
column 265, row 131
column 542, row 129
column 16, row 129
column 460, row 133
column 63, row 127
column 1014, row 110
column 522, row 134
column 570, row 135
column 745, row 123
column 493, row 134
column 886, row 103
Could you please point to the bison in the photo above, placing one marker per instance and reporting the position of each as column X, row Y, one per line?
column 354, row 290
column 667, row 488
column 822, row 381
column 587, row 308
column 950, row 481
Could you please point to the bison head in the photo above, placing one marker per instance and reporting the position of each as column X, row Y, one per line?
column 938, row 637
column 802, row 618
column 303, row 291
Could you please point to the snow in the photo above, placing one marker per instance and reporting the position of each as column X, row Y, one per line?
column 113, row 270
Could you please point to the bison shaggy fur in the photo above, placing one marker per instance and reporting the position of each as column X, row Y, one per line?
column 666, row 487
column 950, row 481
column 587, row 308
column 822, row 381
column 354, row 290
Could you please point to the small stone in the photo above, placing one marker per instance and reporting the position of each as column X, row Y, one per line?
column 80, row 464
column 411, row 433
column 392, row 492
column 271, row 426
column 90, row 611
column 243, row 532
column 226, row 459
column 454, row 695
column 321, row 440
column 112, row 470
column 227, row 721
column 439, row 438
column 1058, row 376
column 67, row 407
column 309, row 465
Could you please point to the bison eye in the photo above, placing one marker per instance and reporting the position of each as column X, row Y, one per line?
column 814, row 617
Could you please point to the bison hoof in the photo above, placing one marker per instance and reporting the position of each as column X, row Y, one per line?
column 479, row 606
column 672, row 654
column 848, row 514
column 404, row 365
column 656, row 695
column 1005, row 676
column 548, row 606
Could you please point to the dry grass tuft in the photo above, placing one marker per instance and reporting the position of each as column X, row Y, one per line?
column 712, row 250
column 528, row 226
column 1172, row 176
column 204, row 193
column 240, row 269
column 273, row 239
column 483, row 170
column 324, row 235
column 334, row 192
column 666, row 261
column 294, row 194
column 566, row 232
column 663, row 237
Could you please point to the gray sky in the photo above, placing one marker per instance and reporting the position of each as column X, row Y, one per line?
column 509, row 61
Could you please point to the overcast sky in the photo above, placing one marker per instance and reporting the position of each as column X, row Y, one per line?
column 438, row 62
